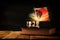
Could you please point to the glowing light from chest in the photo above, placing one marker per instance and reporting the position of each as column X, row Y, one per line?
column 40, row 14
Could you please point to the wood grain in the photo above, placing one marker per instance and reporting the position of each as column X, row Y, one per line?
column 17, row 35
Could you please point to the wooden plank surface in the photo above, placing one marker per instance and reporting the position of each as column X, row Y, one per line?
column 17, row 35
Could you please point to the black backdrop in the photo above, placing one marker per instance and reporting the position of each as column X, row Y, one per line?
column 14, row 14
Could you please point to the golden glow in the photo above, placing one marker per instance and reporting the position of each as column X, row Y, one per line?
column 44, row 17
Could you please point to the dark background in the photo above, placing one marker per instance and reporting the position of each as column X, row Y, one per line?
column 13, row 14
